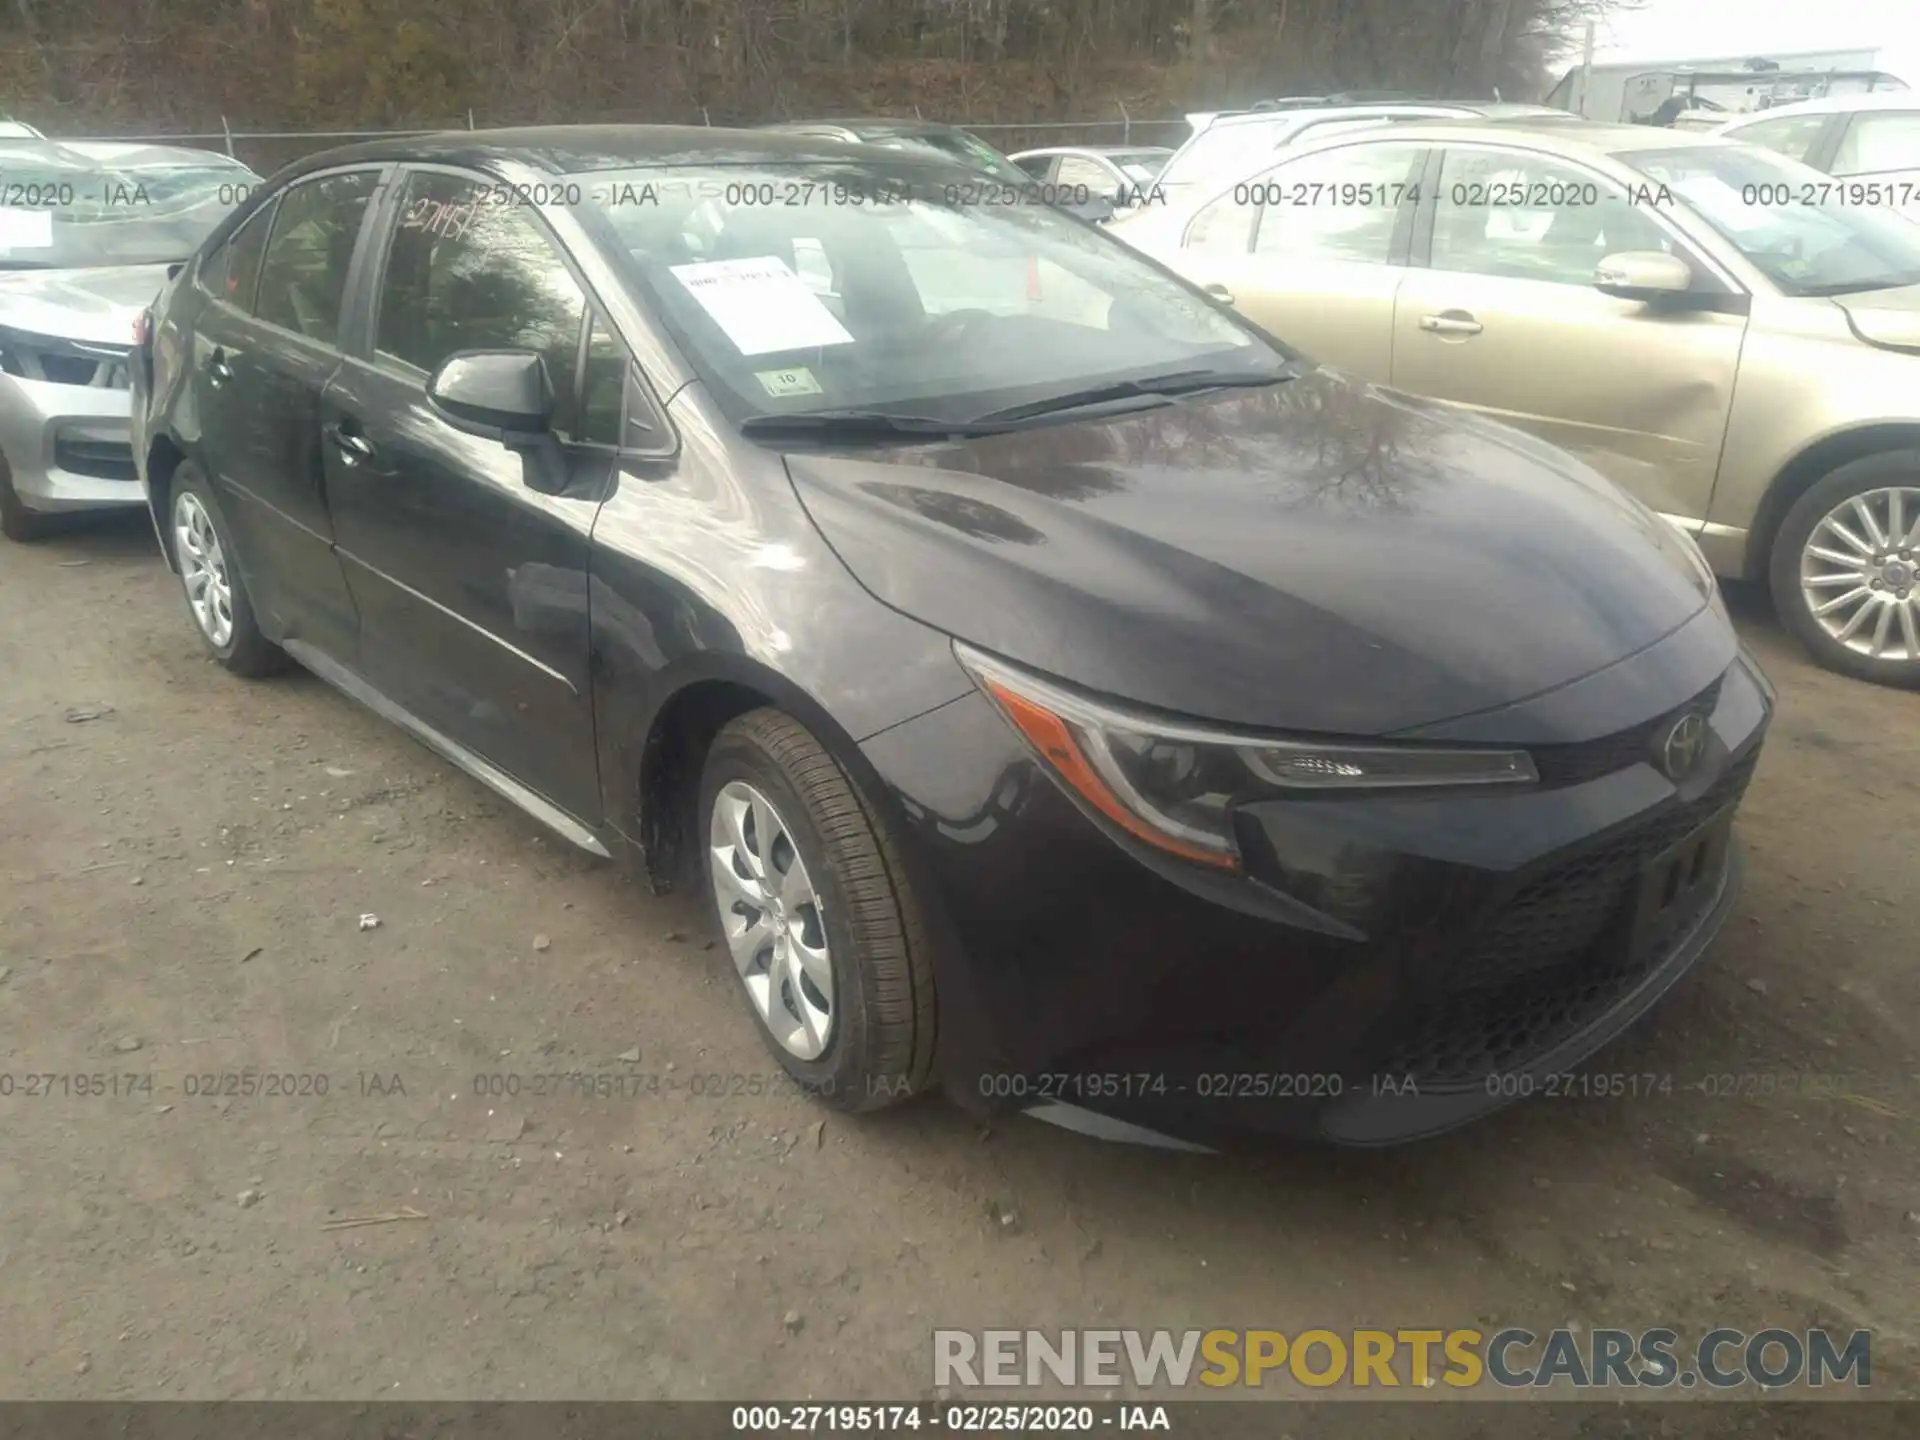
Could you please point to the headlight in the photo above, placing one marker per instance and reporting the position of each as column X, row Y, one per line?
column 1175, row 786
column 63, row 362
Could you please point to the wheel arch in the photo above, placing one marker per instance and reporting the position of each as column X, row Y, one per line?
column 665, row 789
column 1806, row 469
column 164, row 459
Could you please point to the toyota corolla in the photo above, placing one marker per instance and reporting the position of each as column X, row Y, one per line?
column 1067, row 695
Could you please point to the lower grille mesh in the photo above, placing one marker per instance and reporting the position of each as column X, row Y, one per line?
column 1538, row 972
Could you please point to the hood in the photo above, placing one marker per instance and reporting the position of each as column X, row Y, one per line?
column 97, row 305
column 1889, row 319
column 1318, row 556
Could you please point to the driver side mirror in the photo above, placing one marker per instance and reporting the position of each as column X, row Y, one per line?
column 504, row 395
column 1647, row 275
column 1096, row 211
column 494, row 393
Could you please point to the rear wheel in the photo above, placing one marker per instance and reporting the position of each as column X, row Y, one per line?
column 1845, row 570
column 210, row 577
column 819, row 921
column 16, row 521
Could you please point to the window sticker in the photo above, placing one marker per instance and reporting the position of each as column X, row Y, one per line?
column 761, row 305
column 26, row 229
column 794, row 380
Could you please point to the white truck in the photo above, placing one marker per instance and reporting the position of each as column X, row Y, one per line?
column 1658, row 92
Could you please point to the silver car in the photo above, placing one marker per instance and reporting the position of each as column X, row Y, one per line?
column 87, row 231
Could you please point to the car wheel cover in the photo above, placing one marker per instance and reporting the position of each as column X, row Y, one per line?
column 1860, row 573
column 203, row 569
column 773, row 920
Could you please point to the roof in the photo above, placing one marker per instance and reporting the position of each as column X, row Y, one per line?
column 1571, row 135
column 876, row 124
column 1831, row 104
column 120, row 154
column 566, row 149
column 1104, row 150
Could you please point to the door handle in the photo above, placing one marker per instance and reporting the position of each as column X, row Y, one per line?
column 1454, row 322
column 1220, row 293
column 353, row 448
column 219, row 372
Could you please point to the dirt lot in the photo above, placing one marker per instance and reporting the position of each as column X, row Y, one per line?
column 182, row 878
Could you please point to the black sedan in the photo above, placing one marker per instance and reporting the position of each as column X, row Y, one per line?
column 1067, row 694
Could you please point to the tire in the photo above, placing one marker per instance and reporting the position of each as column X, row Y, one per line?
column 1869, row 479
column 242, row 648
column 16, row 521
column 878, row 1043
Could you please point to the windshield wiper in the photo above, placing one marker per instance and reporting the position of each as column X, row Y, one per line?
column 863, row 424
column 1175, row 382
column 1861, row 287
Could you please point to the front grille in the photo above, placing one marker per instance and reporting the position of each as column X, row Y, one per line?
column 1550, row 960
column 102, row 459
column 1575, row 764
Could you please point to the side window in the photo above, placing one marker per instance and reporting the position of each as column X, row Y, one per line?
column 1793, row 136
column 1525, row 217
column 1036, row 165
column 603, row 386
column 1224, row 225
column 1077, row 170
column 466, row 274
column 1874, row 143
column 304, row 272
column 1338, row 204
column 232, row 271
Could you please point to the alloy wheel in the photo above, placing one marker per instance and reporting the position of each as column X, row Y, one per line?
column 771, row 915
column 1860, row 573
column 203, row 569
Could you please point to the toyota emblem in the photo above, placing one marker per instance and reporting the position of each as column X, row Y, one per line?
column 1685, row 743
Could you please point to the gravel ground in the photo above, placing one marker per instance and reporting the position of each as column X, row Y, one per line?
column 185, row 861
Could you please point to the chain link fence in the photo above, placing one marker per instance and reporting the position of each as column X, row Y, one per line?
column 267, row 150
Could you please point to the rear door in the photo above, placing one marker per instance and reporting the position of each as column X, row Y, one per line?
column 265, row 345
column 1504, row 320
column 1314, row 249
column 471, row 585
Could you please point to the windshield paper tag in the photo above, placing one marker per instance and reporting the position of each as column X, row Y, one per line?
column 761, row 304
column 795, row 381
column 26, row 229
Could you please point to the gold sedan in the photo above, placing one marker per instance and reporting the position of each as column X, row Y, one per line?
column 1715, row 327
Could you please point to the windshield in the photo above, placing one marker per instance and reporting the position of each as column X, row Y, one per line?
column 1807, row 232
column 830, row 286
column 1221, row 148
column 61, row 210
column 1140, row 165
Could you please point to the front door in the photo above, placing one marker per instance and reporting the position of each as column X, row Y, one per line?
column 472, row 584
column 1504, row 321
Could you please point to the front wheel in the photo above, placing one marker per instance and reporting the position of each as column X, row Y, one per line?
column 818, row 917
column 1845, row 570
column 210, row 576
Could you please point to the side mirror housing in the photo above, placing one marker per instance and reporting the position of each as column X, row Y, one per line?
column 1096, row 211
column 504, row 395
column 1643, row 275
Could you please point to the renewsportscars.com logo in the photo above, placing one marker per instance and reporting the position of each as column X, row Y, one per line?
column 1512, row 1359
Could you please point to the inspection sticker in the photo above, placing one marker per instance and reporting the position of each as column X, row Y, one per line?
column 26, row 229
column 797, row 380
column 761, row 304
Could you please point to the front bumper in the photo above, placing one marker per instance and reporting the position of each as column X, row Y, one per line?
column 1390, row 967
column 67, row 447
